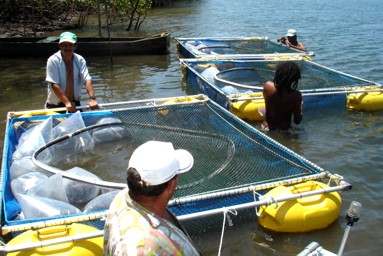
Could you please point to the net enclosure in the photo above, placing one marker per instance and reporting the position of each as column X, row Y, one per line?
column 231, row 158
column 233, row 48
column 236, row 83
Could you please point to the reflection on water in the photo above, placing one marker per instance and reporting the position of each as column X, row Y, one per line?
column 345, row 35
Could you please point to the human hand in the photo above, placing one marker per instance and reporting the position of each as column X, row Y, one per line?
column 93, row 104
column 281, row 39
column 70, row 107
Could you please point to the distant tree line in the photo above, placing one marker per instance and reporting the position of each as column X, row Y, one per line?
column 43, row 15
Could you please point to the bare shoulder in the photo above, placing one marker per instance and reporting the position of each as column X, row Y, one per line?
column 268, row 89
column 268, row 86
column 296, row 94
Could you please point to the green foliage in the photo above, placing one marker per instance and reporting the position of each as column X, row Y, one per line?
column 44, row 14
column 41, row 10
column 131, row 11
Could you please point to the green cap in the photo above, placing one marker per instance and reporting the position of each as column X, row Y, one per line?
column 68, row 37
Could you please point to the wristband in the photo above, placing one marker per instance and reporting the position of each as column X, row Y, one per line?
column 92, row 97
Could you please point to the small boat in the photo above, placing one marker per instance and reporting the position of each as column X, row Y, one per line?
column 47, row 152
column 237, row 84
column 86, row 46
column 233, row 48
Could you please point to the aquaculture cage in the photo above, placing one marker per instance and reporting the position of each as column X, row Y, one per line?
column 89, row 152
column 233, row 48
column 236, row 84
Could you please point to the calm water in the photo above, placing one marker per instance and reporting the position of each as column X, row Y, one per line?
column 345, row 35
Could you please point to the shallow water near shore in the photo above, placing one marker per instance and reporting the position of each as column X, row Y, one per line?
column 345, row 35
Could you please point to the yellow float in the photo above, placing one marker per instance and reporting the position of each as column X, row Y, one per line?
column 185, row 99
column 365, row 101
column 42, row 112
column 303, row 214
column 249, row 109
column 88, row 247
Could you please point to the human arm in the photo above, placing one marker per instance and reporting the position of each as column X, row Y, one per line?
column 298, row 46
column 87, row 80
column 281, row 39
column 298, row 109
column 60, row 94
column 268, row 90
column 92, row 102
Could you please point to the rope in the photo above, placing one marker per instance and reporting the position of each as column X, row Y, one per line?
column 225, row 213
column 255, row 193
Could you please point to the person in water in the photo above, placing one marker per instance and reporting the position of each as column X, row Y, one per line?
column 138, row 221
column 66, row 74
column 292, row 40
column 282, row 99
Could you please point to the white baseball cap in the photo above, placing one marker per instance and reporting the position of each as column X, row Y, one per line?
column 291, row 32
column 158, row 162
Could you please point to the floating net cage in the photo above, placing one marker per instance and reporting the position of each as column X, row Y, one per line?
column 200, row 47
column 231, row 158
column 228, row 80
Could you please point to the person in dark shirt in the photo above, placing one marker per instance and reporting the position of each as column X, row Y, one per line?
column 282, row 99
column 292, row 40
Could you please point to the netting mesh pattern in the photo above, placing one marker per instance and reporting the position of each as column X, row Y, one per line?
column 220, row 78
column 228, row 153
column 314, row 76
column 203, row 46
column 259, row 46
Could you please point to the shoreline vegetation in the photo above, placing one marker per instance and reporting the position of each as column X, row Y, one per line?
column 33, row 19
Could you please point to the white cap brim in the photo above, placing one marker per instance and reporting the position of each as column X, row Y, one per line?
column 185, row 160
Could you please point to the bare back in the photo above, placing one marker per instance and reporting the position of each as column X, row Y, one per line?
column 280, row 110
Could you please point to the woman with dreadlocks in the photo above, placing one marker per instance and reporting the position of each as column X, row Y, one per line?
column 282, row 98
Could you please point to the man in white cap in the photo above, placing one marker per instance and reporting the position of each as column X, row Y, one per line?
column 66, row 73
column 138, row 220
column 292, row 40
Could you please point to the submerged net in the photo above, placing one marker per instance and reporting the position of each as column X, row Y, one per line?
column 320, row 85
column 257, row 46
column 227, row 152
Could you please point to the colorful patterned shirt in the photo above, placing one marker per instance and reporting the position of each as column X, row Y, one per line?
column 131, row 229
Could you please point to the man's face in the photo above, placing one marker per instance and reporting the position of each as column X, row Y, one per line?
column 67, row 48
column 292, row 38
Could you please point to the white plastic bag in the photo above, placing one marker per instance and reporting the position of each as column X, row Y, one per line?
column 79, row 192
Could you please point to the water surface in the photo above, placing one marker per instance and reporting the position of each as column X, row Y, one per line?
column 345, row 35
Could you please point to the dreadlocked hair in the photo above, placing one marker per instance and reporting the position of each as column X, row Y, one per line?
column 286, row 76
